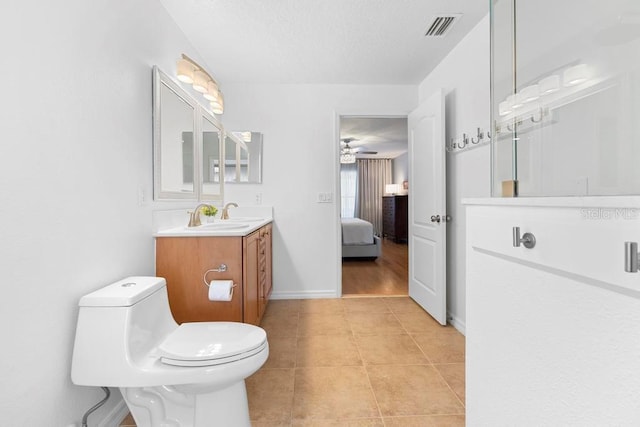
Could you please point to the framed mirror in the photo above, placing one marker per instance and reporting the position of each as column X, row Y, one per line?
column 186, row 145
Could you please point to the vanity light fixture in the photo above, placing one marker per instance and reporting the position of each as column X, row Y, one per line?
column 185, row 70
column 549, row 84
column 504, row 108
column 575, row 75
column 529, row 93
column 246, row 136
column 212, row 92
column 190, row 72
column 217, row 106
column 515, row 100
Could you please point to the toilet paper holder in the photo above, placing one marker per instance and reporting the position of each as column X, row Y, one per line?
column 221, row 269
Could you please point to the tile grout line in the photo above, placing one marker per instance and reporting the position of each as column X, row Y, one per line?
column 295, row 368
column 431, row 364
column 449, row 386
column 366, row 371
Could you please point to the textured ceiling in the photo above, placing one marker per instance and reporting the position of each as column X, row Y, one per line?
column 387, row 137
column 321, row 41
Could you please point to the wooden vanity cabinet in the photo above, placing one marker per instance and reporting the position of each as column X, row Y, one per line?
column 257, row 273
column 183, row 261
column 266, row 277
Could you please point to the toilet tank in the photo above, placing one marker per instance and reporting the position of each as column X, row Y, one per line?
column 118, row 327
column 123, row 293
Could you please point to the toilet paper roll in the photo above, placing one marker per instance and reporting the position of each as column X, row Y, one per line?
column 220, row 290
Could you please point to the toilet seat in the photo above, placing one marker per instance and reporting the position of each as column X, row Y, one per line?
column 211, row 343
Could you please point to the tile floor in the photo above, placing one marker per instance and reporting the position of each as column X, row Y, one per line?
column 357, row 362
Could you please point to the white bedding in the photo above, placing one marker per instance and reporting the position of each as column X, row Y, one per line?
column 356, row 231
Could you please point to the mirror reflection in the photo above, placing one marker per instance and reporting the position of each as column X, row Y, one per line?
column 211, row 170
column 176, row 144
column 243, row 157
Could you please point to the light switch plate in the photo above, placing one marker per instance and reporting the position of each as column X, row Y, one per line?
column 325, row 197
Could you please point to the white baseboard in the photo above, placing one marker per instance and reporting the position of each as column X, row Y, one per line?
column 115, row 416
column 457, row 323
column 304, row 295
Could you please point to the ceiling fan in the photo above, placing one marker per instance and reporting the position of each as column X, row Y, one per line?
column 347, row 155
column 347, row 148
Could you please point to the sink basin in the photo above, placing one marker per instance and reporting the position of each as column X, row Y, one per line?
column 218, row 226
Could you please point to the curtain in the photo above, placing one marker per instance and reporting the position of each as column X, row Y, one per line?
column 373, row 175
column 348, row 189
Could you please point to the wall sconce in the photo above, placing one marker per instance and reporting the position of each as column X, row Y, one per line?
column 190, row 72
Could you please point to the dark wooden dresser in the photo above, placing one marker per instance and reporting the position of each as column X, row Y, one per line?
column 395, row 215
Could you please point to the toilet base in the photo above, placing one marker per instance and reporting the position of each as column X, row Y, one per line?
column 166, row 406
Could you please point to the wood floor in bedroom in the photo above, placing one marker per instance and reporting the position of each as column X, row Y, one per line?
column 387, row 275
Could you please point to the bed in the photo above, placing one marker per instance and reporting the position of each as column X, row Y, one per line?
column 358, row 240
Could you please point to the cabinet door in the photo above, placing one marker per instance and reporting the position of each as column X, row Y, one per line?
column 268, row 242
column 183, row 261
column 250, row 273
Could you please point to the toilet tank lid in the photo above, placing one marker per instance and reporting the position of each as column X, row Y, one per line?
column 123, row 293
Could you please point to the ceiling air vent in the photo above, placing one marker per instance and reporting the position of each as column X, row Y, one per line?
column 441, row 24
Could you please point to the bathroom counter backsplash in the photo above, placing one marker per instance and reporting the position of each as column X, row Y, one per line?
column 242, row 221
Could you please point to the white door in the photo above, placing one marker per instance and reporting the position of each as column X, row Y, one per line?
column 427, row 204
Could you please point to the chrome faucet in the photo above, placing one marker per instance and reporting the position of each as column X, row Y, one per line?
column 194, row 217
column 225, row 210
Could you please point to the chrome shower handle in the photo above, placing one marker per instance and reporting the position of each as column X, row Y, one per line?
column 528, row 240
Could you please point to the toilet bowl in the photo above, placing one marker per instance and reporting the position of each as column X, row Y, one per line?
column 171, row 375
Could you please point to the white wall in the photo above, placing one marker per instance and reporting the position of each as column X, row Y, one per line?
column 76, row 149
column 301, row 160
column 400, row 167
column 464, row 77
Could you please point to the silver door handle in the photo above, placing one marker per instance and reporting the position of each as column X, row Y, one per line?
column 528, row 240
column 631, row 257
column 435, row 218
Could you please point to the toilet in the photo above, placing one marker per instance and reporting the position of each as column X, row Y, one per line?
column 187, row 375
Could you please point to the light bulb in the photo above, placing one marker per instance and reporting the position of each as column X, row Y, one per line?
column 200, row 81
column 212, row 91
column 185, row 71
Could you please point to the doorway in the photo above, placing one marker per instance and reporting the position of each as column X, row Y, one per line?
column 373, row 193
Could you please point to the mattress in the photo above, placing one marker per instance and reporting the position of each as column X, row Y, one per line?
column 356, row 231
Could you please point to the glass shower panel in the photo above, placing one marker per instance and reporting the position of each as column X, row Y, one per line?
column 572, row 114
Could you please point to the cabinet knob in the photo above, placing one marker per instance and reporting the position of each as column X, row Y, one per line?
column 631, row 257
column 528, row 240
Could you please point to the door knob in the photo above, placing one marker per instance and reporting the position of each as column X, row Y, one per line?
column 435, row 218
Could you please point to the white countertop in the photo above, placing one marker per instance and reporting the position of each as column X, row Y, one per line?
column 242, row 222
column 240, row 227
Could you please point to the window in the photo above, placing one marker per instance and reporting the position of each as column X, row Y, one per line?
column 348, row 189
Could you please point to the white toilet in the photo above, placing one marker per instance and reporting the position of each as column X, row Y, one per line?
column 187, row 375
